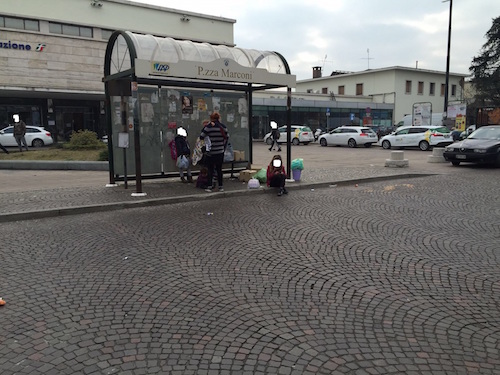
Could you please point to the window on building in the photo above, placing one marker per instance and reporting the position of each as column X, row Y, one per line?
column 309, row 91
column 19, row 23
column 60, row 28
column 432, row 88
column 442, row 89
column 420, row 88
column 341, row 90
column 453, row 90
column 408, row 87
column 324, row 90
column 359, row 89
column 106, row 34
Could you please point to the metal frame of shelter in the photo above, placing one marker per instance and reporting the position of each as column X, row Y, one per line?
column 135, row 60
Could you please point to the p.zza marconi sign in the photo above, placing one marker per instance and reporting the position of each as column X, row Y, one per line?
column 21, row 46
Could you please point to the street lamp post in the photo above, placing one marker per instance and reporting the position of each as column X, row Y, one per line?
column 447, row 61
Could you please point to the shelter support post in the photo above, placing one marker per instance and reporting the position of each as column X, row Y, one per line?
column 109, row 131
column 137, row 141
column 288, row 130
column 250, row 121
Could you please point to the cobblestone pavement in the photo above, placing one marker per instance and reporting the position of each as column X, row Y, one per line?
column 387, row 277
column 36, row 193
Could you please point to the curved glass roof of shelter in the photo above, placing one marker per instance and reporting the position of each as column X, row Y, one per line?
column 125, row 48
column 168, row 49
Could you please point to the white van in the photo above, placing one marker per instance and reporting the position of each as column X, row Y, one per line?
column 437, row 120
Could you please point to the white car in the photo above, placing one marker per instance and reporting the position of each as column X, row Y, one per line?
column 300, row 134
column 35, row 137
column 423, row 137
column 349, row 136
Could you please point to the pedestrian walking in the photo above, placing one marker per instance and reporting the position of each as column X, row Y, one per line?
column 20, row 132
column 275, row 135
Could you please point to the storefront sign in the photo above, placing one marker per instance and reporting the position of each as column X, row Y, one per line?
column 21, row 46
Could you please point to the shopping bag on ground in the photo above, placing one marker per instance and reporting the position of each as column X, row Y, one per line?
column 297, row 164
column 261, row 175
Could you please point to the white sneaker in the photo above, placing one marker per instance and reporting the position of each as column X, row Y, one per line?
column 221, row 189
column 208, row 190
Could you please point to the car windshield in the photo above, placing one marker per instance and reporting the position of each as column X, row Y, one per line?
column 367, row 131
column 305, row 129
column 486, row 133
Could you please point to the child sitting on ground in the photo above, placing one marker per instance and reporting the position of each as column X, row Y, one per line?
column 202, row 180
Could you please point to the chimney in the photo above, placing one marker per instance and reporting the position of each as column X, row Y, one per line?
column 316, row 71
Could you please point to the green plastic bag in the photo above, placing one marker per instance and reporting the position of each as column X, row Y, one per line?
column 261, row 175
column 298, row 164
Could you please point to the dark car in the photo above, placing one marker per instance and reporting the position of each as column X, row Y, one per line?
column 482, row 146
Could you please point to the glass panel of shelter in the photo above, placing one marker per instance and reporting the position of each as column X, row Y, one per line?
column 161, row 114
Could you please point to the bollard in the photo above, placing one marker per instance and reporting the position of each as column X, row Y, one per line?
column 397, row 160
column 437, row 156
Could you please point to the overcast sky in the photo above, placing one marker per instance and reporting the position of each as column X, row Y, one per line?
column 337, row 34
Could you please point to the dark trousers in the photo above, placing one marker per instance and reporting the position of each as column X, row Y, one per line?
column 214, row 162
column 278, row 180
column 275, row 142
column 4, row 149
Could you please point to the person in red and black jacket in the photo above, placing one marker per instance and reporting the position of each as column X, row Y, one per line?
column 276, row 175
column 218, row 134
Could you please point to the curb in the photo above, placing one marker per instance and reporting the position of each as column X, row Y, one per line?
column 55, row 165
column 56, row 212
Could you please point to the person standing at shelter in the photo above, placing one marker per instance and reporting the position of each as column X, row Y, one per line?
column 183, row 149
column 20, row 132
column 218, row 134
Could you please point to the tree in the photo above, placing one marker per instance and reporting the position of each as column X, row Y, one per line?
column 485, row 69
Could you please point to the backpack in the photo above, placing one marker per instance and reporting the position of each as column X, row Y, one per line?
column 173, row 149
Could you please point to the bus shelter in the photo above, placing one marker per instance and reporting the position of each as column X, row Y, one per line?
column 155, row 85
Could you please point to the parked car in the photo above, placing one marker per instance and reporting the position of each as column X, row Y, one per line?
column 482, row 146
column 423, row 137
column 35, row 137
column 349, row 136
column 300, row 134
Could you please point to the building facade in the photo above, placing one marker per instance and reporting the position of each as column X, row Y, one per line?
column 52, row 55
column 400, row 86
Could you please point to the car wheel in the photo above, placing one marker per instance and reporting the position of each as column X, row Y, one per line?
column 351, row 143
column 295, row 141
column 423, row 145
column 37, row 143
column 269, row 141
column 368, row 145
column 323, row 142
column 455, row 163
column 386, row 145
